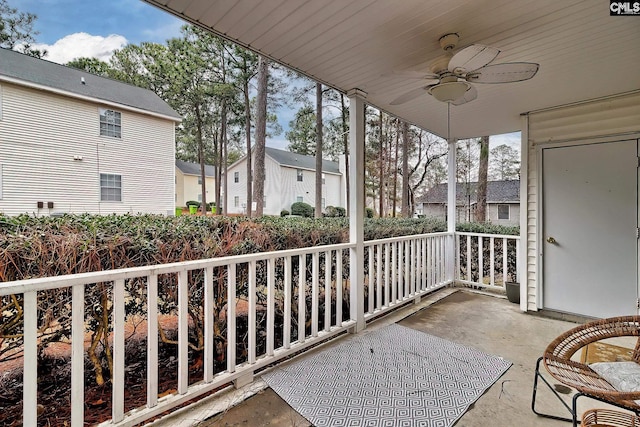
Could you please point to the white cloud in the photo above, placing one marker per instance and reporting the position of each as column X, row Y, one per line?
column 80, row 45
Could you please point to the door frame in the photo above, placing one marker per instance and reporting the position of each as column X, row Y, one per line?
column 539, row 274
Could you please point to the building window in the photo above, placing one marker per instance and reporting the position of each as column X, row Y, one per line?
column 299, row 173
column 199, row 180
column 236, row 177
column 503, row 212
column 299, row 199
column 323, row 203
column 110, row 123
column 110, row 187
column 200, row 197
column 324, row 179
column 236, row 202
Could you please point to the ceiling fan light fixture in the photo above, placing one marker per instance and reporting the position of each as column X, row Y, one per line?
column 449, row 92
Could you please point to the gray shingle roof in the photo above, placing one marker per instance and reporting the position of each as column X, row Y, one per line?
column 189, row 168
column 497, row 192
column 38, row 71
column 287, row 158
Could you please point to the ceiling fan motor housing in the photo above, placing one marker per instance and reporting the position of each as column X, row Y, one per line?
column 449, row 41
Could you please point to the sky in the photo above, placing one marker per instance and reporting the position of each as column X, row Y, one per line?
column 71, row 29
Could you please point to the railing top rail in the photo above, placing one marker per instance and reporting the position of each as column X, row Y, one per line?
column 403, row 238
column 68, row 280
column 497, row 236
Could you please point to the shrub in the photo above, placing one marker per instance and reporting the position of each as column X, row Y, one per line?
column 368, row 213
column 211, row 205
column 284, row 212
column 302, row 209
column 335, row 212
column 193, row 203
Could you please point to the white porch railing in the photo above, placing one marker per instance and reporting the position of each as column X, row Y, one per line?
column 306, row 290
column 487, row 260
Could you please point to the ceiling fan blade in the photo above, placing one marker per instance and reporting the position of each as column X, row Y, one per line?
column 417, row 75
column 409, row 96
column 468, row 96
column 504, row 73
column 471, row 58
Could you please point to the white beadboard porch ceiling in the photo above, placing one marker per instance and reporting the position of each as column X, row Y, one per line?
column 583, row 52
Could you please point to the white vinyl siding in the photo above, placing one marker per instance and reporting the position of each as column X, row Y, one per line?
column 58, row 157
column 0, row 181
column 579, row 122
column 0, row 102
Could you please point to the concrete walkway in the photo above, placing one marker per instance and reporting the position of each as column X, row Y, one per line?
column 488, row 323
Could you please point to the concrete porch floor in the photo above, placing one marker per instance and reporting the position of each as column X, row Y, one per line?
column 488, row 323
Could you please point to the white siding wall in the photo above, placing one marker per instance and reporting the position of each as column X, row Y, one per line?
column 42, row 132
column 282, row 187
column 580, row 122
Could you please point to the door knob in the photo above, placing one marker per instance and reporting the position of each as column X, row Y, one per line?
column 551, row 240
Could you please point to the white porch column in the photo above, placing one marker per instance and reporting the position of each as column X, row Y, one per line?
column 356, row 207
column 524, row 206
column 451, row 210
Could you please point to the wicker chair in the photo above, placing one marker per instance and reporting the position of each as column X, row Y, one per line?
column 557, row 361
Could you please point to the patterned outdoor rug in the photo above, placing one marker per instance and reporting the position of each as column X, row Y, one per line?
column 395, row 376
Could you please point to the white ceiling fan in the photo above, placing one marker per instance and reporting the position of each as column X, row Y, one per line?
column 452, row 76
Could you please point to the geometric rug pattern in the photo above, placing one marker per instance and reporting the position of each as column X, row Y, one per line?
column 394, row 376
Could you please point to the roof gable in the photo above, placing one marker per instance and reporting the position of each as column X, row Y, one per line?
column 20, row 67
column 189, row 168
column 497, row 192
column 299, row 161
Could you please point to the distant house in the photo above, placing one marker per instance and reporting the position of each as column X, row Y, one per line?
column 74, row 142
column 289, row 178
column 503, row 202
column 189, row 182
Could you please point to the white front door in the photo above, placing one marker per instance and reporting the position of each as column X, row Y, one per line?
column 590, row 218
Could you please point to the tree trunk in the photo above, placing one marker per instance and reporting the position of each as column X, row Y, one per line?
column 318, row 201
column 261, row 134
column 222, row 160
column 203, row 177
column 395, row 171
column 483, row 168
column 405, row 170
column 345, row 140
column 247, row 127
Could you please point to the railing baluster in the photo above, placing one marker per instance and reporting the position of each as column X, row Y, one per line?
column 315, row 273
column 209, row 342
column 423, row 265
column 370, row 276
column 414, row 264
column 231, row 318
column 492, row 261
column 457, row 275
column 152, row 340
column 469, row 276
column 518, row 266
column 251, row 315
column 394, row 272
column 183, row 331
column 339, row 284
column 504, row 263
column 77, row 355
column 480, row 260
column 30, row 361
column 287, row 303
column 118, row 351
column 271, row 290
column 387, row 282
column 327, row 290
column 302, row 283
column 379, row 277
